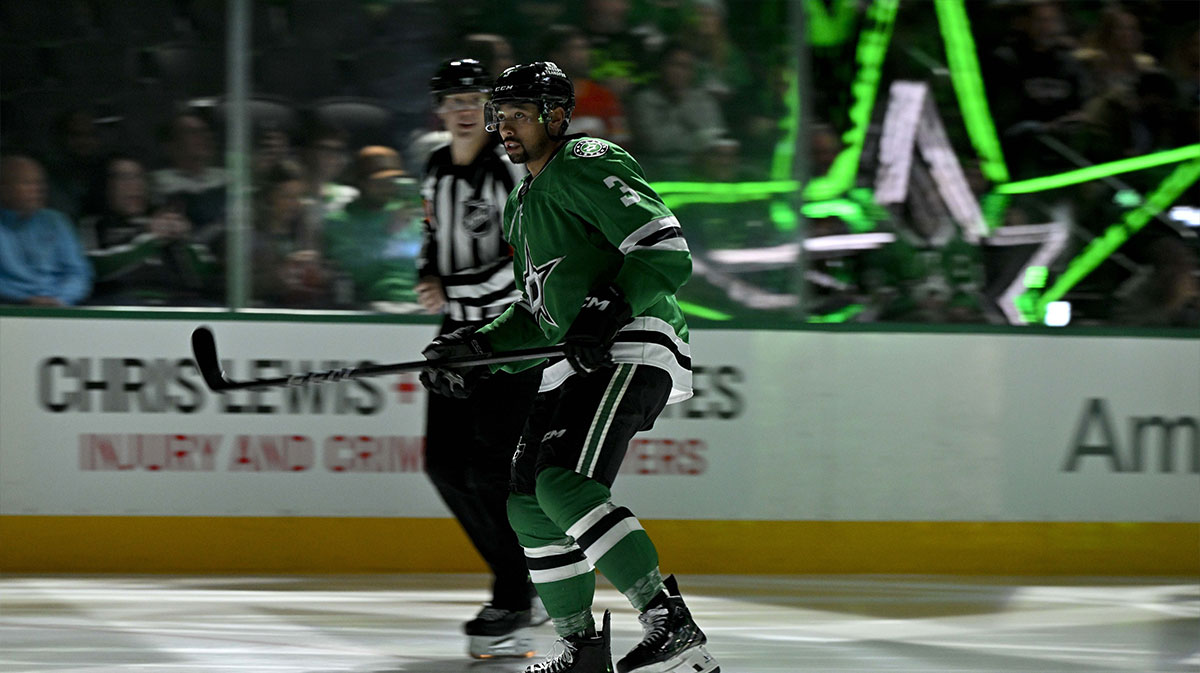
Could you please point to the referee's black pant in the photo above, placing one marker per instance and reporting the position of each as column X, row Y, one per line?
column 469, row 446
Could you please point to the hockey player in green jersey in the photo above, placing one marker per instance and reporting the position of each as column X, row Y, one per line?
column 598, row 258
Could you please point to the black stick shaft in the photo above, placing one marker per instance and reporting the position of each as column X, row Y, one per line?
column 204, row 349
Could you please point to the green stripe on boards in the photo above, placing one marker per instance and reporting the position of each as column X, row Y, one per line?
column 600, row 423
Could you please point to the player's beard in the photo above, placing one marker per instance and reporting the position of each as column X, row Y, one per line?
column 528, row 151
column 519, row 155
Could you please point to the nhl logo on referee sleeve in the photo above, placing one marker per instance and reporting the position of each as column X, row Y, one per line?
column 588, row 148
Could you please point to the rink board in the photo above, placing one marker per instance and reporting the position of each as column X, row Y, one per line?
column 803, row 451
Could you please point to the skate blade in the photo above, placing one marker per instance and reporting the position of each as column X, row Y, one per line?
column 502, row 647
column 694, row 660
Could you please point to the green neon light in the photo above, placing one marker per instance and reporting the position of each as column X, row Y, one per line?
column 849, row 212
column 994, row 207
column 1099, row 249
column 765, row 186
column 702, row 312
column 968, row 86
column 1035, row 277
column 872, row 47
column 841, row 315
column 1100, row 171
column 825, row 30
column 782, row 162
column 1127, row 198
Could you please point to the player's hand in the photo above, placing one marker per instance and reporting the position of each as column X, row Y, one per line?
column 456, row 381
column 430, row 294
column 588, row 343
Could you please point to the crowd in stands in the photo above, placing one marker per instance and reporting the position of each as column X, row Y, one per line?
column 113, row 118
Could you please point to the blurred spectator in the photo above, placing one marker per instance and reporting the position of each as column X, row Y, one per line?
column 1113, row 58
column 141, row 255
column 598, row 111
column 271, row 146
column 493, row 51
column 78, row 151
column 192, row 184
column 673, row 119
column 724, row 70
column 1184, row 65
column 1124, row 124
column 287, row 267
column 326, row 154
column 373, row 244
column 1035, row 76
column 41, row 261
column 1165, row 295
column 1037, row 86
column 621, row 52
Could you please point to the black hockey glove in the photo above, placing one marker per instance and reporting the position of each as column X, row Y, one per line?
column 456, row 381
column 588, row 343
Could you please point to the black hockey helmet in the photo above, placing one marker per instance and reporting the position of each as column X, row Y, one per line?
column 460, row 75
column 542, row 83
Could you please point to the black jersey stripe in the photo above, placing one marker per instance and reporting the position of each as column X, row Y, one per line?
column 641, row 336
column 503, row 265
column 659, row 236
column 490, row 298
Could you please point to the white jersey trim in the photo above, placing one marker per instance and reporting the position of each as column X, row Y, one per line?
column 639, row 352
column 669, row 222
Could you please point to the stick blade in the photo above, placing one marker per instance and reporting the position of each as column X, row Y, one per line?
column 204, row 350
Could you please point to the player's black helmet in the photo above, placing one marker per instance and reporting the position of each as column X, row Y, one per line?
column 542, row 83
column 460, row 75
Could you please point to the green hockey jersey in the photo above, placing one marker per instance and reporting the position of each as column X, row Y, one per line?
column 587, row 219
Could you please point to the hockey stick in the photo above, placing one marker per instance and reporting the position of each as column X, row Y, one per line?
column 204, row 349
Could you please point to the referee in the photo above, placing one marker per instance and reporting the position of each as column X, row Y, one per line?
column 465, row 273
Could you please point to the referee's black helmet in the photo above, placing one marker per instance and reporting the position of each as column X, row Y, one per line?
column 460, row 75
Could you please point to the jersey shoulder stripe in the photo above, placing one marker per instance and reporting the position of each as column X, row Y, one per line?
column 662, row 233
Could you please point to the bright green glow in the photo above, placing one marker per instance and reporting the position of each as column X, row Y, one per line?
column 1127, row 198
column 1035, row 277
column 849, row 212
column 968, row 86
column 1100, row 171
column 838, row 316
column 994, row 207
column 856, row 216
column 1099, row 249
column 825, row 30
column 783, row 214
column 872, row 47
column 765, row 187
column 702, row 311
column 676, row 194
column 785, row 150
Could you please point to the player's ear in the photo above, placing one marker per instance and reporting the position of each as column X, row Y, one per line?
column 557, row 115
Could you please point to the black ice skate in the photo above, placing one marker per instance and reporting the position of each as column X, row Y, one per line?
column 579, row 654
column 672, row 643
column 499, row 633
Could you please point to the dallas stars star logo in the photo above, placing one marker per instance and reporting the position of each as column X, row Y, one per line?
column 535, row 285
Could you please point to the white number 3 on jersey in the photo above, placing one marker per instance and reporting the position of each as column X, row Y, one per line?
column 630, row 197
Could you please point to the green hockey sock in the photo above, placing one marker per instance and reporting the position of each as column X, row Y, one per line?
column 564, row 579
column 610, row 537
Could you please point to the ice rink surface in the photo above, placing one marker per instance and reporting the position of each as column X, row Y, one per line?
column 394, row 623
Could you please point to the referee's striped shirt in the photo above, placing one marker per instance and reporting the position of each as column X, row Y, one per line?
column 463, row 243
